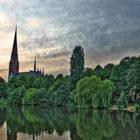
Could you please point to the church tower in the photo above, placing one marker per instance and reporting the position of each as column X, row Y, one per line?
column 35, row 64
column 14, row 63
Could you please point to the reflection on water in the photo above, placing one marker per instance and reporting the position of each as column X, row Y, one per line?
column 28, row 123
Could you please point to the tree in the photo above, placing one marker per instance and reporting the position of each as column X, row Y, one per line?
column 133, row 80
column 76, row 65
column 15, row 97
column 62, row 94
column 122, row 100
column 38, row 83
column 40, row 97
column 48, row 80
column 29, row 81
column 106, row 72
column 119, row 73
column 92, row 92
column 28, row 99
column 98, row 71
column 59, row 76
column 106, row 90
column 3, row 87
column 89, row 72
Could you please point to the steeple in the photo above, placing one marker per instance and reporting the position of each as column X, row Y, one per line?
column 14, row 63
column 14, row 50
column 35, row 63
column 43, row 72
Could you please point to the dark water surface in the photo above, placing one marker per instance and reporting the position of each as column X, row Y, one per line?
column 28, row 123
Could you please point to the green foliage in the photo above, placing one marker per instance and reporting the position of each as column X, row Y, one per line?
column 40, row 90
column 34, row 97
column 61, row 95
column 29, row 82
column 98, row 71
column 88, row 72
column 3, row 87
column 92, row 92
column 81, row 124
column 93, row 125
column 106, row 90
column 119, row 73
column 137, row 107
column 76, row 65
column 59, row 92
column 133, row 80
column 122, row 100
column 38, row 82
column 15, row 97
column 28, row 98
column 107, row 71
column 40, row 97
column 45, row 82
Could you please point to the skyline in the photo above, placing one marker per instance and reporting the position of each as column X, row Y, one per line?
column 108, row 30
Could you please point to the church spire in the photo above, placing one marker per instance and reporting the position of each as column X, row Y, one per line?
column 35, row 63
column 14, row 63
column 43, row 72
column 14, row 50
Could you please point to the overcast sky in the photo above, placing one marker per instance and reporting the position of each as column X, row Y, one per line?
column 107, row 29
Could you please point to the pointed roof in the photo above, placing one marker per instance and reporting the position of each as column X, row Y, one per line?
column 35, row 63
column 43, row 71
column 15, row 50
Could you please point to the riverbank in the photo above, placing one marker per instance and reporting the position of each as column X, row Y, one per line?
column 129, row 108
column 132, row 108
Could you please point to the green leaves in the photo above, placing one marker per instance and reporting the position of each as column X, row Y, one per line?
column 3, row 87
column 15, row 97
column 122, row 100
column 92, row 92
column 76, row 65
column 133, row 80
column 28, row 99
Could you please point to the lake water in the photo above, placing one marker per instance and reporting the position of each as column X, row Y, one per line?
column 28, row 123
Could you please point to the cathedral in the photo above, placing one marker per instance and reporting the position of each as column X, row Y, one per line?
column 14, row 63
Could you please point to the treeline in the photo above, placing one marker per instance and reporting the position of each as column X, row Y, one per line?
column 84, row 87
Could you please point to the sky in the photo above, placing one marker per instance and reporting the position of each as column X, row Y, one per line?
column 108, row 30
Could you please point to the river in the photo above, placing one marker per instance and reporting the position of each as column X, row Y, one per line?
column 36, row 123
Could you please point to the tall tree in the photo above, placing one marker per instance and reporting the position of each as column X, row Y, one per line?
column 76, row 65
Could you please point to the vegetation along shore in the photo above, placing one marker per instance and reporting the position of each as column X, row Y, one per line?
column 114, row 87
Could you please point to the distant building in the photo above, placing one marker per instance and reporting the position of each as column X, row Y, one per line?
column 14, row 63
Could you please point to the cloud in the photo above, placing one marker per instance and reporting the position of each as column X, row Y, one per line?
column 3, row 70
column 55, row 53
column 108, row 30
column 5, row 21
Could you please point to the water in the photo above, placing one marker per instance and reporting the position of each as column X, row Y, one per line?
column 28, row 123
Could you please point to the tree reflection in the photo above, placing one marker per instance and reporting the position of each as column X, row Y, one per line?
column 105, row 125
column 2, row 115
column 93, row 125
column 82, row 124
column 35, row 121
